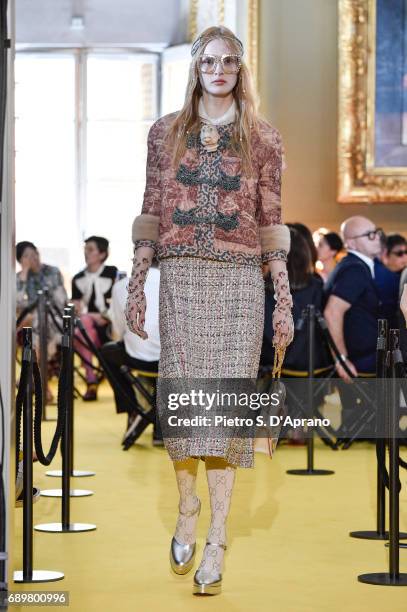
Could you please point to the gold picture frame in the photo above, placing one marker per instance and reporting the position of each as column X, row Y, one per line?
column 241, row 16
column 360, row 180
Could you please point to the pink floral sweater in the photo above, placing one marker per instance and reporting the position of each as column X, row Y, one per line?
column 207, row 207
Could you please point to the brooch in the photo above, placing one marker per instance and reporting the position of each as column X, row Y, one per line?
column 209, row 137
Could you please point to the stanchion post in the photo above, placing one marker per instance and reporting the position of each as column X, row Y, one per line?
column 380, row 410
column 311, row 368
column 43, row 347
column 310, row 471
column 393, row 576
column 28, row 574
column 66, row 446
column 381, row 373
column 65, row 525
column 27, row 458
column 69, row 311
column 394, row 509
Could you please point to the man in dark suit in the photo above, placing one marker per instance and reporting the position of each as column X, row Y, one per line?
column 352, row 305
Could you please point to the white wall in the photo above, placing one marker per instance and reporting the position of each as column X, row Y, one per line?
column 120, row 22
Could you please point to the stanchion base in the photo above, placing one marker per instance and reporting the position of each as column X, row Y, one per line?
column 38, row 576
column 373, row 535
column 402, row 536
column 384, row 579
column 75, row 473
column 72, row 493
column 58, row 527
column 310, row 472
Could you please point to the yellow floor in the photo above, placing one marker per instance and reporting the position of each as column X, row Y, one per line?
column 289, row 549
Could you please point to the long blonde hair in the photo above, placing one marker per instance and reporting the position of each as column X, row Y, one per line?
column 187, row 120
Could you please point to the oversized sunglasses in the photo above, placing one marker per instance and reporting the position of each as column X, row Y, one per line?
column 230, row 63
column 399, row 253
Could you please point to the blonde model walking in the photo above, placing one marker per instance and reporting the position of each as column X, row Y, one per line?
column 212, row 214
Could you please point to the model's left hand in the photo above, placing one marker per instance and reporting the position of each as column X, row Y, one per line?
column 283, row 326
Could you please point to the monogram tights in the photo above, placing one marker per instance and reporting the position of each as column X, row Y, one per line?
column 220, row 477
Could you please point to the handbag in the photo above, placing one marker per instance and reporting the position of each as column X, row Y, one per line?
column 277, row 387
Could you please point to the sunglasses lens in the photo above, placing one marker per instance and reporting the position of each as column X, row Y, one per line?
column 208, row 63
column 230, row 63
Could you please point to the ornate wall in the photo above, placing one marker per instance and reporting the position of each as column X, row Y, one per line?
column 298, row 86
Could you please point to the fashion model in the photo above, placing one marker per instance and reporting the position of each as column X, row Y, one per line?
column 212, row 214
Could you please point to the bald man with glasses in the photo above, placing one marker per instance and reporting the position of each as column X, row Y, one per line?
column 353, row 305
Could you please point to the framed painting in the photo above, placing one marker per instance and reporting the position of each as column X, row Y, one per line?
column 372, row 121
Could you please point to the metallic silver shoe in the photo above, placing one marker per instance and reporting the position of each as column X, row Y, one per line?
column 206, row 583
column 182, row 555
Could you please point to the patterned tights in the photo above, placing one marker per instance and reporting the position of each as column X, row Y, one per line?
column 221, row 477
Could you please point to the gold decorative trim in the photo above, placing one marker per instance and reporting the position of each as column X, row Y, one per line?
column 221, row 12
column 252, row 39
column 359, row 181
column 193, row 20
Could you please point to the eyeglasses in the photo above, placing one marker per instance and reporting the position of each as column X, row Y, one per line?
column 370, row 235
column 399, row 253
column 230, row 63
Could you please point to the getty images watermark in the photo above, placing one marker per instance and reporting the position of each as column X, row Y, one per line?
column 220, row 400
column 213, row 408
column 231, row 407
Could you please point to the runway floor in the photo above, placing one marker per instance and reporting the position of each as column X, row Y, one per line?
column 289, row 549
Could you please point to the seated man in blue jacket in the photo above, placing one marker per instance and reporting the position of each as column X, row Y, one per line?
column 352, row 305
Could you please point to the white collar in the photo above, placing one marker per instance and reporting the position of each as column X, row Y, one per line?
column 94, row 281
column 368, row 260
column 227, row 117
column 97, row 272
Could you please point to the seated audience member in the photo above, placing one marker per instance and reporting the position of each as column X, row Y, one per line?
column 128, row 348
column 403, row 304
column 403, row 281
column 394, row 254
column 306, row 288
column 328, row 247
column 352, row 306
column 32, row 277
column 91, row 292
column 387, row 273
column 402, row 315
column 306, row 233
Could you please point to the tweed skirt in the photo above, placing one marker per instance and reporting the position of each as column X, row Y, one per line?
column 211, row 325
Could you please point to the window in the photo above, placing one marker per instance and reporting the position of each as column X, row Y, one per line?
column 121, row 106
column 45, row 153
column 82, row 120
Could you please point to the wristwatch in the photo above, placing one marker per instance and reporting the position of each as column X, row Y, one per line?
column 341, row 359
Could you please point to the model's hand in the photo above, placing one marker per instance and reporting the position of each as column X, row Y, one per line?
column 283, row 326
column 136, row 313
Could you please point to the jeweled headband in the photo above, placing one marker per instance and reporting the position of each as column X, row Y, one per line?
column 198, row 41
